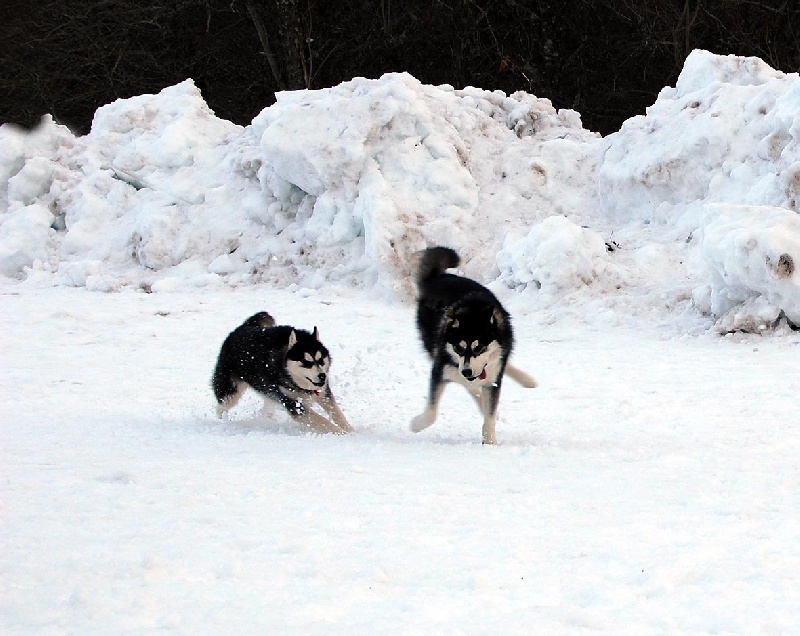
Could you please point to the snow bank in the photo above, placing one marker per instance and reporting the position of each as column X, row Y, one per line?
column 728, row 133
column 343, row 185
column 751, row 252
column 387, row 167
column 556, row 257
column 29, row 162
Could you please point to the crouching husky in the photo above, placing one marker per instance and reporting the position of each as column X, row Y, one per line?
column 468, row 335
column 287, row 365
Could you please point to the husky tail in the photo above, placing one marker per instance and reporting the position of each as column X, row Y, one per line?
column 260, row 320
column 519, row 376
column 433, row 263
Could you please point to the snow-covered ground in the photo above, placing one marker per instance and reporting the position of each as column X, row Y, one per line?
column 649, row 485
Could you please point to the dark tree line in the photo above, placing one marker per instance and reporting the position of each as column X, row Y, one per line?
column 605, row 58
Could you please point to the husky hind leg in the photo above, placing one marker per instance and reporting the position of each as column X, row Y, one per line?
column 227, row 389
column 229, row 398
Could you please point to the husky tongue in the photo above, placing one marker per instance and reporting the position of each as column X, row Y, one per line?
column 482, row 376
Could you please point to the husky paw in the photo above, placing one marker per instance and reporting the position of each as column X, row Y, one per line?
column 421, row 422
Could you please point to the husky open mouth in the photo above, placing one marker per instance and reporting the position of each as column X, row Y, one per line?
column 480, row 376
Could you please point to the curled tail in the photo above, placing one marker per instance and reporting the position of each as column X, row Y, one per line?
column 433, row 263
column 262, row 319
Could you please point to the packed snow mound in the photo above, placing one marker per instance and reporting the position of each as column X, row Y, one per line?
column 752, row 253
column 159, row 142
column 727, row 134
column 29, row 162
column 142, row 192
column 394, row 166
column 343, row 185
column 556, row 257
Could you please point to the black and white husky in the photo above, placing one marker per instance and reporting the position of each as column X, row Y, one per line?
column 468, row 335
column 281, row 363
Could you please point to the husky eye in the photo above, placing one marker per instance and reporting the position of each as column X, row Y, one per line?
column 306, row 364
column 478, row 350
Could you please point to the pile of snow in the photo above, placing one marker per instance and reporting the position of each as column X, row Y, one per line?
column 557, row 256
column 716, row 162
column 749, row 249
column 344, row 185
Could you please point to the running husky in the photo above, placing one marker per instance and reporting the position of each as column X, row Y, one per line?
column 468, row 335
column 284, row 364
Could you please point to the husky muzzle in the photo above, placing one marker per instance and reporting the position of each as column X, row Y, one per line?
column 466, row 371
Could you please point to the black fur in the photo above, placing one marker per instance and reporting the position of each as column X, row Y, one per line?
column 459, row 316
column 447, row 299
column 256, row 353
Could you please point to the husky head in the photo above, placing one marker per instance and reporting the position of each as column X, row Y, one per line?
column 472, row 340
column 307, row 360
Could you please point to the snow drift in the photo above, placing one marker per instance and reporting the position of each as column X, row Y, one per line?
column 343, row 185
column 750, row 251
column 715, row 161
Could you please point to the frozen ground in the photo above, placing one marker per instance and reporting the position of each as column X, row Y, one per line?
column 649, row 485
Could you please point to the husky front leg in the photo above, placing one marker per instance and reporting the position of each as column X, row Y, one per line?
column 428, row 416
column 307, row 416
column 331, row 407
column 489, row 398
column 300, row 410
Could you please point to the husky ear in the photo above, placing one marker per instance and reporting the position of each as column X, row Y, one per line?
column 497, row 318
column 449, row 318
column 316, row 333
column 292, row 340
